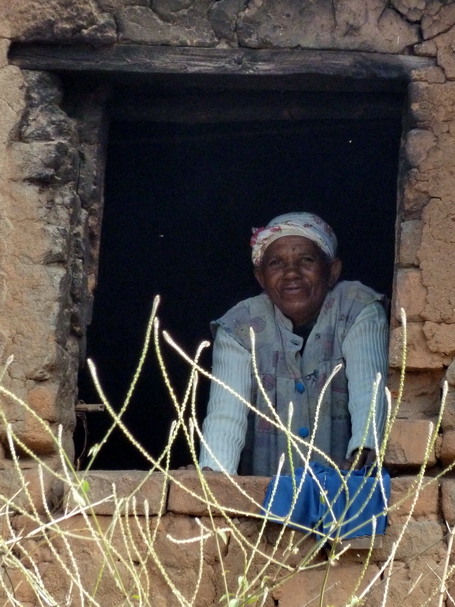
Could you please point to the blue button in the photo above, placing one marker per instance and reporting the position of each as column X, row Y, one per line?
column 303, row 432
column 299, row 387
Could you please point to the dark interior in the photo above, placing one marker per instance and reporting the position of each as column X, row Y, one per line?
column 182, row 194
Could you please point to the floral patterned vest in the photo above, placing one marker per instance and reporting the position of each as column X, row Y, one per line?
column 289, row 376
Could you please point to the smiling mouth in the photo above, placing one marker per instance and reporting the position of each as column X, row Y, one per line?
column 293, row 285
column 293, row 289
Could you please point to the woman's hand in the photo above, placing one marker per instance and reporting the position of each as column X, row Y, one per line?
column 366, row 457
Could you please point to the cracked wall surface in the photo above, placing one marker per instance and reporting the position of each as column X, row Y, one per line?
column 51, row 194
column 373, row 25
column 44, row 156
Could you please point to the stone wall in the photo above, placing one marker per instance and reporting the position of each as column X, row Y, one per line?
column 57, row 230
column 52, row 217
column 51, row 189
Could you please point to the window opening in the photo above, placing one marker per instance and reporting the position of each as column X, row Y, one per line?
column 180, row 201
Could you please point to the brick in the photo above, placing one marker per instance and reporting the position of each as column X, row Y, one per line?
column 316, row 25
column 44, row 162
column 190, row 27
column 42, row 399
column 225, row 493
column 440, row 337
column 426, row 49
column 447, row 454
column 407, row 443
column 12, row 486
column 450, row 373
column 448, row 415
column 451, row 591
column 180, row 559
column 410, row 294
column 421, row 538
column 418, row 144
column 427, row 505
column 276, row 536
column 448, row 500
column 415, row 195
column 411, row 9
column 432, row 75
column 305, row 587
column 436, row 256
column 430, row 103
column 419, row 356
column 441, row 182
column 22, row 588
column 38, row 437
column 288, row 548
column 421, row 395
column 410, row 584
column 441, row 127
column 440, row 155
column 128, row 483
column 82, row 22
column 446, row 57
column 411, row 232
column 432, row 25
column 438, row 446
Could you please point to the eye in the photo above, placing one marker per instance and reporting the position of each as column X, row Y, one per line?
column 307, row 259
column 274, row 261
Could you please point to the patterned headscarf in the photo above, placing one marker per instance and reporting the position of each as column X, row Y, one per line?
column 308, row 225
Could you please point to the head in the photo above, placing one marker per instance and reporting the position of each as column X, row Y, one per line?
column 296, row 264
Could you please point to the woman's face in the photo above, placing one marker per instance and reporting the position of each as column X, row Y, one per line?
column 297, row 276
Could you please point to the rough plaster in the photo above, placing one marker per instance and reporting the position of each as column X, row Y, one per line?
column 47, row 278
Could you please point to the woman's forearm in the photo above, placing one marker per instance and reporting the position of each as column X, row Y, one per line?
column 225, row 425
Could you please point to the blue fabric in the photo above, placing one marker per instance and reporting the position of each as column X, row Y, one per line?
column 356, row 506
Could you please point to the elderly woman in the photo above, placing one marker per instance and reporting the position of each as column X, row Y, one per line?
column 305, row 324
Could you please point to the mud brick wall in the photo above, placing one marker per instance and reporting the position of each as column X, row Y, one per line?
column 424, row 282
column 419, row 558
column 51, row 196
column 51, row 193
column 48, row 276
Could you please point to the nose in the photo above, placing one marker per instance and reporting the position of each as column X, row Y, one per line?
column 292, row 269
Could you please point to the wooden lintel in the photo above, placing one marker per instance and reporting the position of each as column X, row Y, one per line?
column 142, row 59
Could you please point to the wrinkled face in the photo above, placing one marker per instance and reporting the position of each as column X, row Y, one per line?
column 297, row 276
